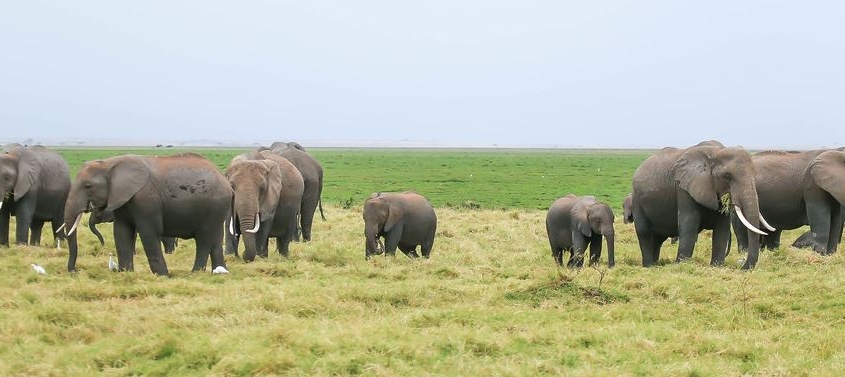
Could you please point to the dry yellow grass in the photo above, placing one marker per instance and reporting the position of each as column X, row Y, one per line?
column 489, row 302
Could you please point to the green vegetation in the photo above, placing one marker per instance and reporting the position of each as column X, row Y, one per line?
column 489, row 302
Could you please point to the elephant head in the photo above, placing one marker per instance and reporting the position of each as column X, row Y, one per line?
column 591, row 217
column 380, row 215
column 257, row 186
column 19, row 173
column 103, row 185
column 828, row 171
column 282, row 145
column 722, row 180
column 628, row 209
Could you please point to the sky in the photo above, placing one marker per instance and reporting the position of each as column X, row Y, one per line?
column 595, row 74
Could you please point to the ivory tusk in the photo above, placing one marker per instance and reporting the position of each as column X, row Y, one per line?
column 1, row 204
column 75, row 223
column 232, row 226
column 746, row 223
column 765, row 224
column 257, row 224
column 60, row 228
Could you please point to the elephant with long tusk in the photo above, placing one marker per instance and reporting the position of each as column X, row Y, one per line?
column 797, row 189
column 680, row 192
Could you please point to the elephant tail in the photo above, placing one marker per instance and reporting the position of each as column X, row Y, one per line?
column 320, row 198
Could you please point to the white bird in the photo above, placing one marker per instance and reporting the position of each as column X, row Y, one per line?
column 112, row 263
column 219, row 270
column 39, row 269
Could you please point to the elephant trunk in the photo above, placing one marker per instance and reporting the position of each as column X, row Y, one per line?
column 246, row 213
column 93, row 227
column 371, row 241
column 611, row 256
column 747, row 207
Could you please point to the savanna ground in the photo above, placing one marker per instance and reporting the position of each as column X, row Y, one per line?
column 489, row 302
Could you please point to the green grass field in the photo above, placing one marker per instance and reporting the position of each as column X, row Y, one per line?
column 489, row 302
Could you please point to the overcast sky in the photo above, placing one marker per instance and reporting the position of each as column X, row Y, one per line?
column 440, row 72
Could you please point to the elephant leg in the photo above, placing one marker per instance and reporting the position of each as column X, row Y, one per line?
column 308, row 208
column 819, row 216
column 5, row 218
column 152, row 247
column 169, row 244
column 124, row 242
column 595, row 249
column 35, row 232
column 24, row 221
column 579, row 246
column 835, row 229
column 425, row 248
column 649, row 247
column 391, row 240
column 204, row 248
column 409, row 250
column 262, row 238
column 216, row 251
column 772, row 240
column 721, row 241
column 232, row 240
column 689, row 223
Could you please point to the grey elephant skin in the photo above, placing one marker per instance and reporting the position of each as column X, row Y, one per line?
column 267, row 188
column 181, row 196
column 628, row 214
column 680, row 192
column 99, row 216
column 312, row 175
column 405, row 220
column 573, row 223
column 34, row 184
column 801, row 188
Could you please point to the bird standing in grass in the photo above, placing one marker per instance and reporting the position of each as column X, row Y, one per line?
column 38, row 269
column 112, row 263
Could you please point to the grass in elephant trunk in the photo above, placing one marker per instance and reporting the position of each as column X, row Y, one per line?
column 489, row 302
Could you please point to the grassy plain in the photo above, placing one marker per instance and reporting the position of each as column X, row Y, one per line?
column 489, row 302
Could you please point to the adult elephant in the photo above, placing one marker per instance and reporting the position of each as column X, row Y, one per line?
column 801, row 188
column 312, row 175
column 680, row 192
column 268, row 195
column 573, row 223
column 100, row 216
column 181, row 196
column 34, row 184
column 405, row 220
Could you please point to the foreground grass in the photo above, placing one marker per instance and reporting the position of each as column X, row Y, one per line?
column 488, row 302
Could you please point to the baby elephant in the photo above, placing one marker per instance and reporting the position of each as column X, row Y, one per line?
column 404, row 219
column 573, row 222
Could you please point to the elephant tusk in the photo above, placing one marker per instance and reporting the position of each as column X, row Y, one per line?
column 1, row 204
column 257, row 225
column 60, row 228
column 75, row 223
column 746, row 223
column 232, row 226
column 765, row 224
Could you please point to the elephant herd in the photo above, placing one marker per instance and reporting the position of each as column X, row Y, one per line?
column 269, row 192
column 275, row 192
column 677, row 193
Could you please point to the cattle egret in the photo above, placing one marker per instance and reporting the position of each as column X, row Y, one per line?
column 39, row 269
column 219, row 270
column 112, row 263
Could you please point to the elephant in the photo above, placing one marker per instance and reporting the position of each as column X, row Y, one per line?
column 680, row 192
column 268, row 195
column 34, row 184
column 405, row 220
column 183, row 196
column 101, row 216
column 573, row 223
column 312, row 174
column 801, row 188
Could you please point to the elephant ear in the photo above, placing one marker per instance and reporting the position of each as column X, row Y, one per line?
column 394, row 214
column 28, row 172
column 581, row 219
column 693, row 173
column 828, row 170
column 268, row 204
column 127, row 176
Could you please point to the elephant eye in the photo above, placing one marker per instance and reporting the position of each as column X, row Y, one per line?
column 87, row 185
